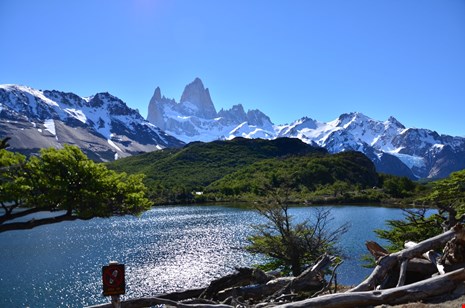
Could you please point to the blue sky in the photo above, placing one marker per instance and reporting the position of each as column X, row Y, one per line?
column 404, row 58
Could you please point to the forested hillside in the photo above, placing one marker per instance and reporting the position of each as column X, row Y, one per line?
column 247, row 169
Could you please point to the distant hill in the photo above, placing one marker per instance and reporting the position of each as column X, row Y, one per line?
column 240, row 166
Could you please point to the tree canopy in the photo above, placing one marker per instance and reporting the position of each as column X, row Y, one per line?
column 64, row 181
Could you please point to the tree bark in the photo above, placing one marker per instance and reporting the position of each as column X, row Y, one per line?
column 414, row 292
column 152, row 301
column 244, row 276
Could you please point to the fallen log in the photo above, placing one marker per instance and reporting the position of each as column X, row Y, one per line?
column 243, row 276
column 310, row 279
column 255, row 292
column 421, row 290
column 182, row 295
column 152, row 301
column 431, row 255
column 387, row 263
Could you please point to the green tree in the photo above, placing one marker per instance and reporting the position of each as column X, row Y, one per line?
column 415, row 226
column 292, row 246
column 65, row 180
column 447, row 195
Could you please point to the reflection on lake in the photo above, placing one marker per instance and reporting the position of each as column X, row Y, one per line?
column 167, row 249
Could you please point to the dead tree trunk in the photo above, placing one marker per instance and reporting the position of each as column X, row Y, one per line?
column 387, row 263
column 414, row 292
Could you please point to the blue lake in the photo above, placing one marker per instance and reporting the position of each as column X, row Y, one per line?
column 166, row 249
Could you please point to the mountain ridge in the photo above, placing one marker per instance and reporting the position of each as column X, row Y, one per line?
column 394, row 148
column 105, row 128
column 102, row 125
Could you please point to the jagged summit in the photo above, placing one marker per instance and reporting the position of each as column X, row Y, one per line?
column 195, row 118
column 157, row 94
column 197, row 99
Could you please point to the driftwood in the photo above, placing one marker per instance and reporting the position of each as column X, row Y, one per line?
column 376, row 250
column 418, row 291
column 388, row 262
column 310, row 279
column 432, row 256
column 152, row 301
column 243, row 277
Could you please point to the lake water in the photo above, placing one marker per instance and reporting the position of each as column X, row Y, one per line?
column 164, row 250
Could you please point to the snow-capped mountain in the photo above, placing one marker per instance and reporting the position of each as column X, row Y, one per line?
column 394, row 149
column 103, row 126
column 195, row 118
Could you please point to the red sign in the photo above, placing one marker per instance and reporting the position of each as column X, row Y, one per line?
column 113, row 279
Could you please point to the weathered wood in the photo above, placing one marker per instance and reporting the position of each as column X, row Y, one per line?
column 421, row 290
column 328, row 285
column 310, row 279
column 152, row 301
column 182, row 295
column 376, row 250
column 402, row 273
column 431, row 255
column 255, row 292
column 434, row 258
column 243, row 276
column 387, row 263
column 454, row 251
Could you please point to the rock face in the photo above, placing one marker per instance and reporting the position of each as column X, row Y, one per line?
column 196, row 100
column 195, row 118
column 103, row 126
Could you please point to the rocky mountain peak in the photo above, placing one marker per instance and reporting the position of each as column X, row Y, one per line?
column 395, row 122
column 157, row 95
column 196, row 95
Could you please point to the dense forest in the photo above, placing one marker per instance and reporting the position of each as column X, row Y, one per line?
column 249, row 169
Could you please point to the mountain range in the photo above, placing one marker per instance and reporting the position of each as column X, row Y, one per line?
column 105, row 128
column 394, row 148
column 102, row 125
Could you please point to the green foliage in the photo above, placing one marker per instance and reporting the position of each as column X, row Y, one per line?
column 173, row 174
column 239, row 170
column 12, row 180
column 398, row 187
column 66, row 180
column 307, row 176
column 449, row 192
column 447, row 195
column 291, row 246
column 415, row 226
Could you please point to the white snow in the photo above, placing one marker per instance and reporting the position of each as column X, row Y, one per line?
column 110, row 142
column 411, row 160
column 78, row 114
column 50, row 126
